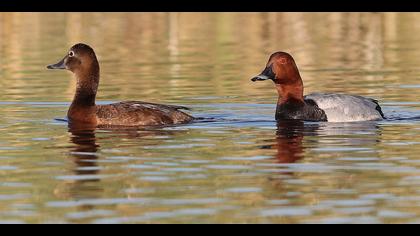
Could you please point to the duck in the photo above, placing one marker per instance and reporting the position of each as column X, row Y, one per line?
column 318, row 107
column 81, row 60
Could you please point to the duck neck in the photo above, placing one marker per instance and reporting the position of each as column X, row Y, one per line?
column 290, row 92
column 87, row 86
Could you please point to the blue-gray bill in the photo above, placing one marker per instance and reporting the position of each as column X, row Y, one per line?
column 60, row 65
column 260, row 78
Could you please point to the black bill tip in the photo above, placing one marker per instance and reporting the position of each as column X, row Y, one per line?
column 259, row 78
column 60, row 66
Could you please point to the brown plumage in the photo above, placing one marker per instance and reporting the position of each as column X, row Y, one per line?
column 82, row 61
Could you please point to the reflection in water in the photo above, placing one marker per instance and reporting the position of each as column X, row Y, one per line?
column 368, row 134
column 84, row 152
column 86, row 170
column 296, row 140
column 290, row 135
column 289, row 138
column 85, row 149
column 212, row 172
column 85, row 180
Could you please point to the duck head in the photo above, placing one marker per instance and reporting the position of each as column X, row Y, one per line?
column 80, row 57
column 282, row 70
column 82, row 61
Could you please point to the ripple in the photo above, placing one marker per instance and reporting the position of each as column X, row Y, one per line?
column 278, row 202
column 5, row 168
column 84, row 153
column 185, row 169
column 11, row 222
column 89, row 168
column 377, row 196
column 164, row 164
column 244, row 190
column 6, row 197
column 355, row 210
column 255, row 158
column 341, row 149
column 197, row 161
column 83, row 177
column 297, row 181
column 304, row 167
column 286, row 211
column 180, row 146
column 227, row 167
column 141, row 166
column 21, row 213
column 15, row 185
column 41, row 139
column 99, row 202
column 89, row 214
column 395, row 214
column 410, row 86
column 139, row 190
column 350, row 202
column 158, row 215
column 155, row 178
column 191, row 201
column 358, row 159
column 195, row 176
column 349, row 220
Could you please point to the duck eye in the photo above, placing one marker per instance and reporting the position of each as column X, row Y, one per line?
column 283, row 60
column 71, row 54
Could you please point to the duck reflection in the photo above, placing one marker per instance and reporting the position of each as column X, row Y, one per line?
column 84, row 152
column 82, row 182
column 290, row 135
column 295, row 140
column 86, row 179
column 85, row 143
column 289, row 140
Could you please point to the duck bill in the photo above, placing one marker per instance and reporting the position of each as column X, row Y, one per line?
column 61, row 65
column 260, row 78
column 267, row 74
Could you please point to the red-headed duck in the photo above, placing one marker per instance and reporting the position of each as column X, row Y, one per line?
column 292, row 105
column 82, row 61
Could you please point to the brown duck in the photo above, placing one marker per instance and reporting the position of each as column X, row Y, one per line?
column 82, row 61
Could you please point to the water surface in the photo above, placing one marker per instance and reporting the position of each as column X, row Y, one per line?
column 242, row 167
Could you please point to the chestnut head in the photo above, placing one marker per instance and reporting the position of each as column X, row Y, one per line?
column 281, row 68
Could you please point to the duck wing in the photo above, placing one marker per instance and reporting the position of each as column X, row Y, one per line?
column 156, row 106
column 134, row 113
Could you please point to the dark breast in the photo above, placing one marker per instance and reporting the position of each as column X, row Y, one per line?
column 307, row 111
column 141, row 114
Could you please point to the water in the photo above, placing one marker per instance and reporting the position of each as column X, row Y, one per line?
column 238, row 167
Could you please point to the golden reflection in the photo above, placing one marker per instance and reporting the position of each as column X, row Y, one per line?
column 210, row 51
column 84, row 177
column 85, row 151
column 289, row 140
column 84, row 155
column 184, row 58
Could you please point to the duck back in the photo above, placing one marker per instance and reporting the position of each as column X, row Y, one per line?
column 347, row 108
column 138, row 113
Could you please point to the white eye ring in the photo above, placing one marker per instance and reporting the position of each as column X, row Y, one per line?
column 71, row 54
